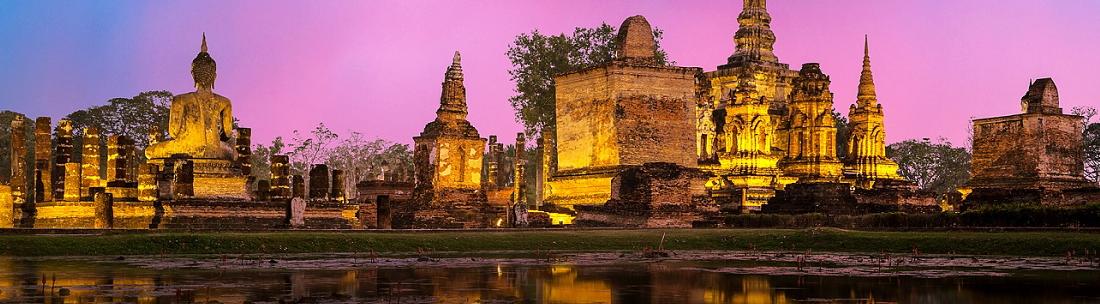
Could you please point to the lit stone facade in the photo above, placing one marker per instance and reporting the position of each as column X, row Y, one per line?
column 866, row 160
column 449, row 151
column 624, row 113
column 753, row 58
column 811, row 129
column 1039, row 149
column 447, row 160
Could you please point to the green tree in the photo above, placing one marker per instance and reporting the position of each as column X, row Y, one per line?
column 261, row 157
column 935, row 166
column 132, row 117
column 1090, row 143
column 843, row 130
column 537, row 58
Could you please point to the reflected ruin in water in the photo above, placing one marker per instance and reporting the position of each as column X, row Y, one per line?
column 76, row 280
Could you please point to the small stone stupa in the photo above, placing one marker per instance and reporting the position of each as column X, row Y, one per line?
column 447, row 161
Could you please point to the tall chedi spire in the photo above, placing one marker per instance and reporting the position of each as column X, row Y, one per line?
column 866, row 149
column 866, row 96
column 452, row 102
column 755, row 39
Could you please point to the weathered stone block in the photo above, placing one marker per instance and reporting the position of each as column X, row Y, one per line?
column 280, row 177
column 42, row 159
column 337, row 182
column 298, row 186
column 63, row 150
column 104, row 213
column 19, row 167
column 7, row 208
column 72, row 182
column 296, row 211
column 147, row 182
column 90, row 162
column 318, row 182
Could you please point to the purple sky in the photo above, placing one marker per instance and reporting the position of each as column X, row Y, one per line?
column 376, row 66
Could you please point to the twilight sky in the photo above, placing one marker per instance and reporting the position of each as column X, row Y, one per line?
column 376, row 66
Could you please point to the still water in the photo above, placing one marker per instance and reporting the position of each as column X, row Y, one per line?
column 457, row 280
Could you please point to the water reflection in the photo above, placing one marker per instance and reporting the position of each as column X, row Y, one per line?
column 78, row 281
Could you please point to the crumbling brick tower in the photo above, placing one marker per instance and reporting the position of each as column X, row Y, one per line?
column 1028, row 156
column 447, row 161
column 627, row 112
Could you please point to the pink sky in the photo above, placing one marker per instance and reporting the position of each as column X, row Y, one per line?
column 376, row 66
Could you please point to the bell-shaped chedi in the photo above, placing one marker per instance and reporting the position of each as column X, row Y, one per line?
column 866, row 159
column 635, row 42
column 448, row 152
column 1031, row 157
column 627, row 112
column 447, row 160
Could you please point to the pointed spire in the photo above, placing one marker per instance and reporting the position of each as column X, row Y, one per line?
column 203, row 48
column 454, row 72
column 866, row 96
column 452, row 102
column 755, row 39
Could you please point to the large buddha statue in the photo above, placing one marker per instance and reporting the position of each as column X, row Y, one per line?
column 200, row 123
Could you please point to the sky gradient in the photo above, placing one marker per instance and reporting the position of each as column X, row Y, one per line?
column 376, row 66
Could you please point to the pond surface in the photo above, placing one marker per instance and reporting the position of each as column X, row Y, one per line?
column 559, row 279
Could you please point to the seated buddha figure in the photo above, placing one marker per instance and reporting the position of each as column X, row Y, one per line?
column 200, row 123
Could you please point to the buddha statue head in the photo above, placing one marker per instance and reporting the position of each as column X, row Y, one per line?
column 203, row 68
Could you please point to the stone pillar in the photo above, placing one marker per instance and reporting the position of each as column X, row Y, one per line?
column 42, row 158
column 263, row 190
column 147, row 182
column 19, row 168
column 298, row 186
column 42, row 191
column 519, row 188
column 280, row 177
column 549, row 162
column 104, row 213
column 89, row 166
column 7, row 208
column 183, row 179
column 120, row 157
column 337, row 193
column 63, row 154
column 72, row 182
column 491, row 160
column 318, row 182
column 244, row 150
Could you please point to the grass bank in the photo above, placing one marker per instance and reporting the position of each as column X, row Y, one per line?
column 146, row 243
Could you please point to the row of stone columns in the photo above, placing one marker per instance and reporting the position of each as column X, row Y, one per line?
column 323, row 183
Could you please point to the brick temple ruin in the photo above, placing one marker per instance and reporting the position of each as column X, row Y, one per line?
column 197, row 177
column 637, row 143
column 1031, row 158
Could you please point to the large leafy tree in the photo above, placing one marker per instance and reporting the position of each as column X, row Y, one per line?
column 936, row 166
column 132, row 117
column 1091, row 143
column 537, row 58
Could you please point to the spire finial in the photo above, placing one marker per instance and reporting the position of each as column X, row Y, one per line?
column 203, row 48
column 866, row 47
column 457, row 59
column 866, row 95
